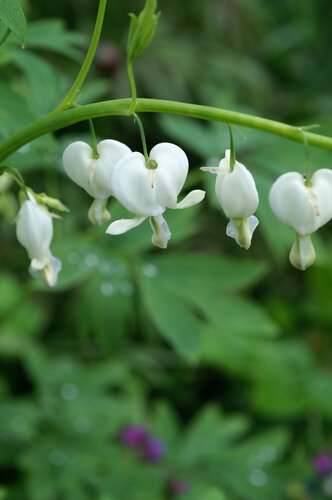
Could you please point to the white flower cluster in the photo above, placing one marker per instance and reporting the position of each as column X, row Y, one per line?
column 145, row 187
column 148, row 186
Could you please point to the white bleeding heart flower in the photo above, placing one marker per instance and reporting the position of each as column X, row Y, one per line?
column 236, row 191
column 94, row 174
column 147, row 187
column 34, row 230
column 304, row 207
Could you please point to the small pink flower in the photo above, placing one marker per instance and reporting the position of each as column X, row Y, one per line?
column 322, row 462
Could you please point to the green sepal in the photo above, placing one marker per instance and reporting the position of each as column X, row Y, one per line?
column 54, row 203
column 141, row 30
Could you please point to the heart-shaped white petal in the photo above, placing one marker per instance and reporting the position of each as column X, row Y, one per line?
column 304, row 208
column 93, row 175
column 146, row 191
column 171, row 172
column 134, row 186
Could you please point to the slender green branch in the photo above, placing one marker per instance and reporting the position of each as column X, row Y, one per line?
column 58, row 120
column 132, row 88
column 70, row 99
column 231, row 146
column 142, row 133
column 308, row 181
column 95, row 153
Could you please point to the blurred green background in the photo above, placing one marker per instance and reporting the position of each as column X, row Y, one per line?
column 223, row 356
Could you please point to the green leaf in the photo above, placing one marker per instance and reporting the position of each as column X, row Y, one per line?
column 176, row 322
column 214, row 494
column 209, row 435
column 141, row 30
column 12, row 15
column 15, row 110
column 44, row 84
column 10, row 292
column 51, row 35
column 194, row 272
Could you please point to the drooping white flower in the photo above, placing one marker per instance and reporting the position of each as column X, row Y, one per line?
column 94, row 174
column 147, row 187
column 34, row 230
column 236, row 191
column 304, row 207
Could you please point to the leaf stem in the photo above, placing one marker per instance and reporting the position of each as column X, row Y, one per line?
column 70, row 99
column 59, row 119
column 132, row 88
column 231, row 145
column 142, row 133
column 307, row 158
column 95, row 153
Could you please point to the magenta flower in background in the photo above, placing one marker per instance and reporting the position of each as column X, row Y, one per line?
column 322, row 463
column 134, row 436
column 154, row 450
column 178, row 486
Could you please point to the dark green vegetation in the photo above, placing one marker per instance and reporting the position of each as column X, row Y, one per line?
column 224, row 355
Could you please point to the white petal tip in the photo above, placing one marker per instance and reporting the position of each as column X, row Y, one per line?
column 98, row 212
column 191, row 199
column 242, row 230
column 161, row 233
column 302, row 254
column 46, row 271
column 212, row 170
column 123, row 225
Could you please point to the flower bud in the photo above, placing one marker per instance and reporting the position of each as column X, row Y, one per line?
column 94, row 174
column 34, row 230
column 236, row 191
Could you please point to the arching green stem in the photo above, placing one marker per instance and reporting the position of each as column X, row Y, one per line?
column 70, row 99
column 57, row 120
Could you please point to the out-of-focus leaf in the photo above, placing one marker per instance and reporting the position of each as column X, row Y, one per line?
column 50, row 34
column 209, row 434
column 42, row 79
column 12, row 15
column 197, row 272
column 15, row 110
column 171, row 315
column 10, row 292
